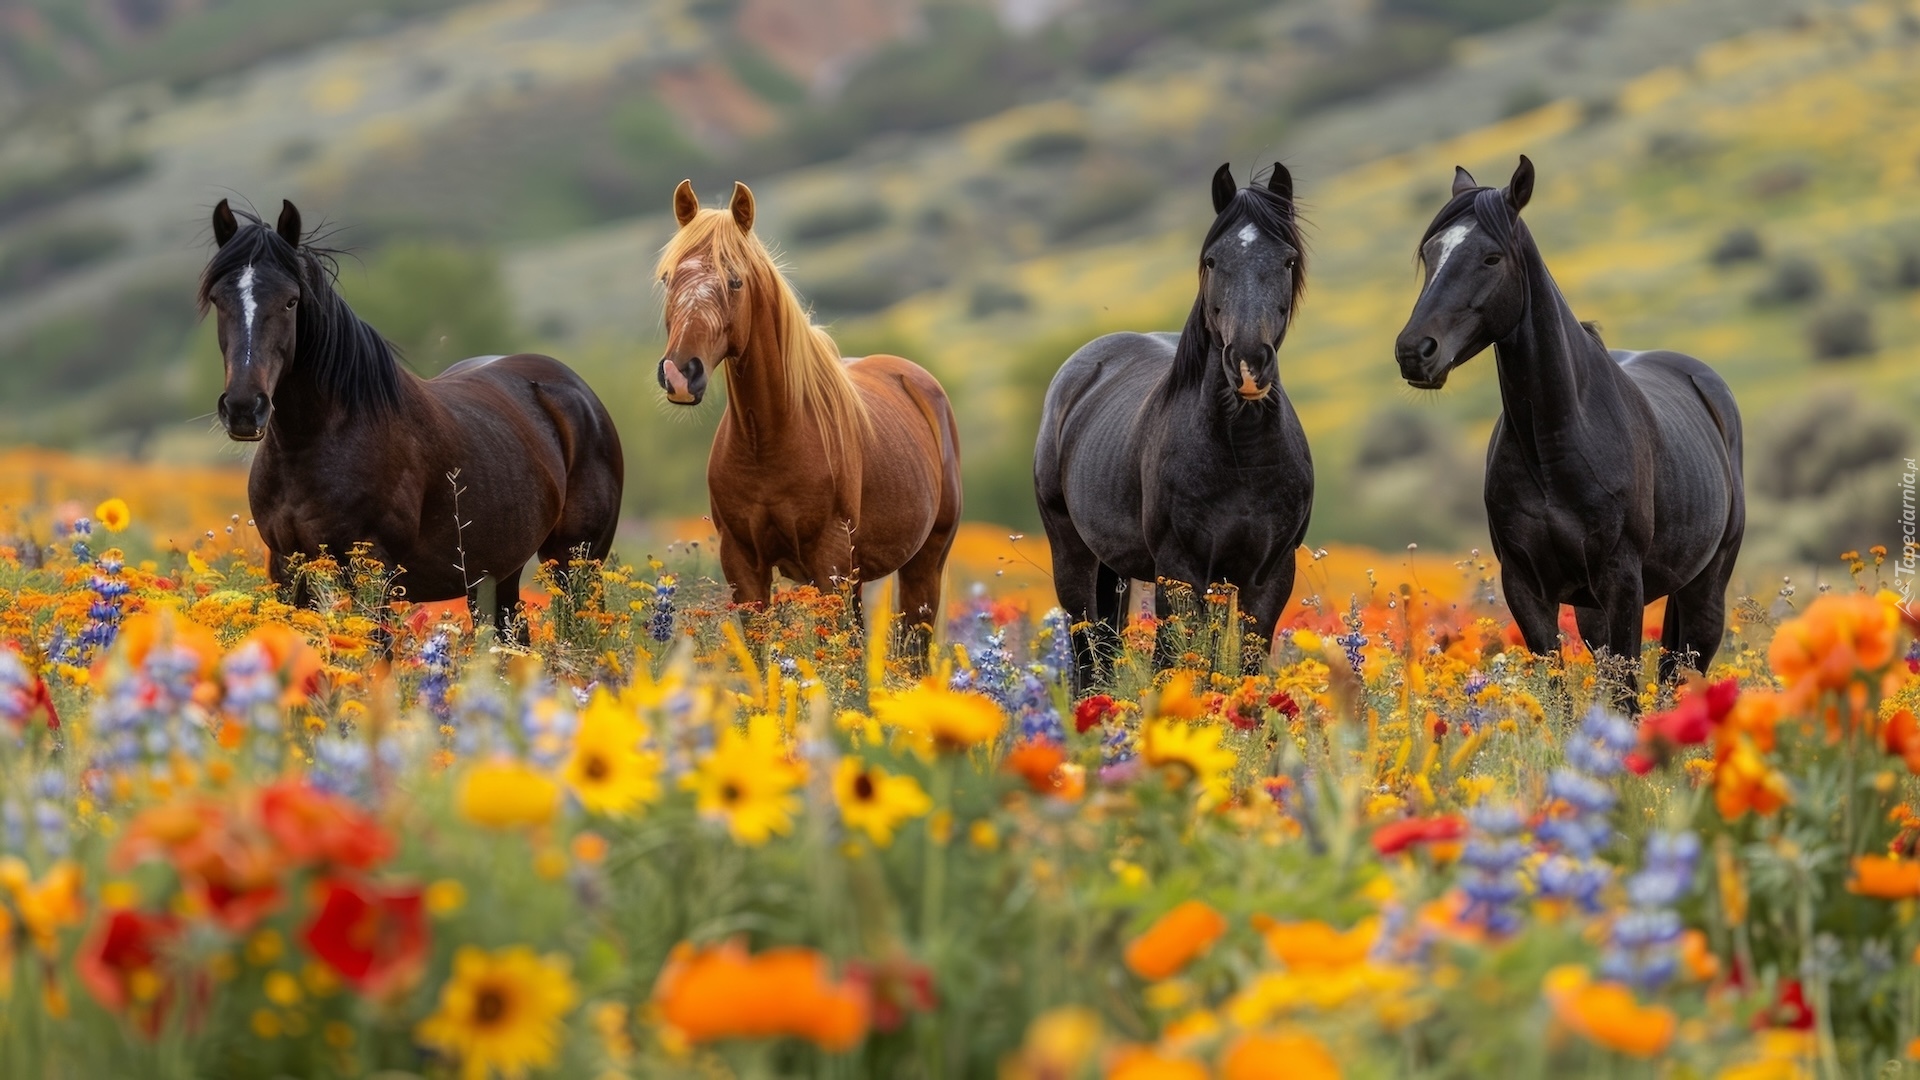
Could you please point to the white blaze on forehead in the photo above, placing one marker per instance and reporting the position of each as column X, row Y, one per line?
column 1248, row 234
column 1448, row 241
column 248, row 308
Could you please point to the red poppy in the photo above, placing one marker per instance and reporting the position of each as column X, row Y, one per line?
column 122, row 965
column 1790, row 1010
column 1284, row 702
column 1689, row 723
column 315, row 827
column 238, row 880
column 1901, row 737
column 1398, row 836
column 895, row 987
column 22, row 704
column 1093, row 712
column 375, row 939
column 1241, row 720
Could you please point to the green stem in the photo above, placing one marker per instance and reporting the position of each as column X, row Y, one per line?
column 933, row 892
column 934, row 875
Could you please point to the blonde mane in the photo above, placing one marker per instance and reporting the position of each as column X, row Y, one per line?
column 816, row 376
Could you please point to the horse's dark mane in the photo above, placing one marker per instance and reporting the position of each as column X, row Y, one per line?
column 345, row 356
column 1274, row 217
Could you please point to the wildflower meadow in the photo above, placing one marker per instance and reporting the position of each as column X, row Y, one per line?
column 671, row 839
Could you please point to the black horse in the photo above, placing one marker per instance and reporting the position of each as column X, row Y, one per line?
column 356, row 449
column 1612, row 478
column 1179, row 456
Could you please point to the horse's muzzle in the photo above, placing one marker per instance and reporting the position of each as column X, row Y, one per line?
column 246, row 422
column 1421, row 364
column 683, row 386
column 1252, row 387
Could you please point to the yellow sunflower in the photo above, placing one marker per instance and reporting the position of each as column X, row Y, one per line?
column 501, row 1011
column 935, row 717
column 874, row 802
column 507, row 794
column 748, row 781
column 608, row 771
column 1194, row 748
column 113, row 515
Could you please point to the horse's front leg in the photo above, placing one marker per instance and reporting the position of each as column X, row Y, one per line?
column 1624, row 611
column 748, row 576
column 1534, row 612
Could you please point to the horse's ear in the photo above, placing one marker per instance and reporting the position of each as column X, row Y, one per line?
column 1520, row 188
column 1281, row 182
column 224, row 224
column 1223, row 187
column 742, row 206
column 289, row 224
column 1463, row 181
column 685, row 203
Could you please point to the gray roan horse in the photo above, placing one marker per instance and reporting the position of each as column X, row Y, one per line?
column 1178, row 456
column 1612, row 478
column 356, row 449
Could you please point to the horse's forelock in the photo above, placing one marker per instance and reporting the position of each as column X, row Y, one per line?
column 1274, row 216
column 1489, row 209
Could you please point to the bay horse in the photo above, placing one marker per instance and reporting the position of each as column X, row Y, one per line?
column 829, row 471
column 354, row 448
column 1179, row 456
column 1612, row 477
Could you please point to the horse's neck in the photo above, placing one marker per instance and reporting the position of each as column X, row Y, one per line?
column 757, row 392
column 1550, row 366
column 1211, row 405
column 306, row 410
column 759, row 396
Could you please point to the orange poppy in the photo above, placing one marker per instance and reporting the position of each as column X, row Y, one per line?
column 721, row 991
column 1313, row 945
column 293, row 660
column 1292, row 1056
column 313, row 827
column 1606, row 1013
column 1743, row 781
column 1175, row 940
column 1836, row 638
column 1885, row 878
column 1038, row 763
column 141, row 631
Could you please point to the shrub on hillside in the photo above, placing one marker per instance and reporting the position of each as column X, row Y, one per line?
column 1841, row 332
column 1739, row 244
column 1796, row 279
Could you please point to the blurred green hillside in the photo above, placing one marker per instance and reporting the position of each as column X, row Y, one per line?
column 982, row 186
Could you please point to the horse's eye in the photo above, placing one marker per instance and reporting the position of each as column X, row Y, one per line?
column 292, row 302
column 1291, row 263
column 1208, row 261
column 1492, row 260
column 733, row 283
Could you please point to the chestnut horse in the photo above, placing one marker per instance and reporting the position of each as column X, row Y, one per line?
column 829, row 471
column 356, row 449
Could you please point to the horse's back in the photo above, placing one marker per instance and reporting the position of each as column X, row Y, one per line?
column 1700, row 499
column 554, row 406
column 904, row 400
column 1087, row 459
column 910, row 476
